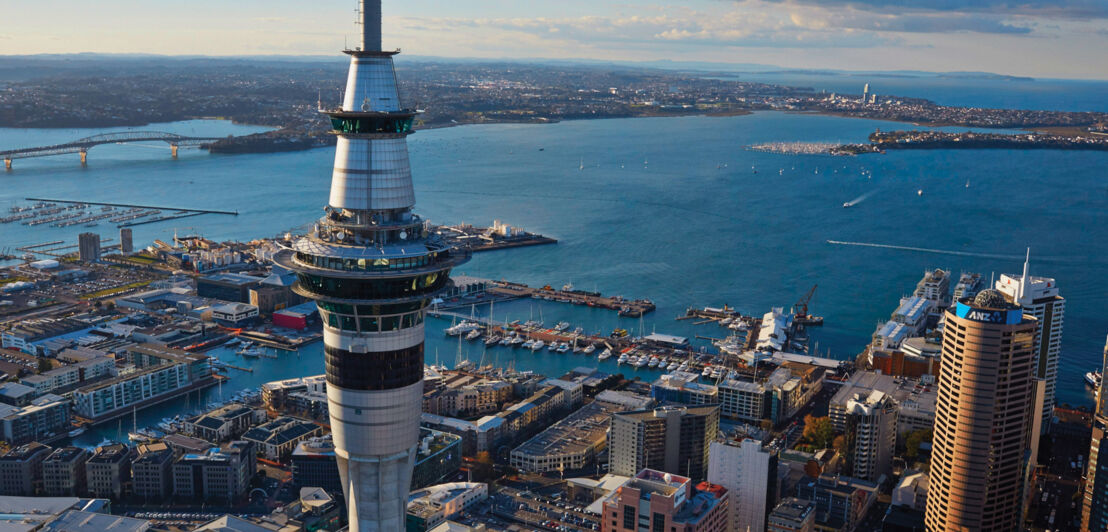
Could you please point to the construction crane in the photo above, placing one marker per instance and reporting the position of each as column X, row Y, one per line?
column 800, row 310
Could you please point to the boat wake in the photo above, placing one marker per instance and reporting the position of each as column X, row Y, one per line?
column 859, row 199
column 928, row 250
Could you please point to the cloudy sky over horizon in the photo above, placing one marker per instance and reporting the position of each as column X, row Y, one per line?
column 1041, row 38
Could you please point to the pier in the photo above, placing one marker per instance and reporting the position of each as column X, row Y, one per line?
column 632, row 308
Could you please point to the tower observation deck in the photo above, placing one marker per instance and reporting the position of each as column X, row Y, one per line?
column 372, row 267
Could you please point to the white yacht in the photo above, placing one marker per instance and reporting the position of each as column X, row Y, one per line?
column 592, row 347
column 604, row 355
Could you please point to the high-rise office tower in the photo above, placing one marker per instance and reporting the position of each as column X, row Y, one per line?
column 1039, row 297
column 126, row 244
column 88, row 247
column 674, row 439
column 749, row 472
column 979, row 454
column 372, row 267
column 1094, row 506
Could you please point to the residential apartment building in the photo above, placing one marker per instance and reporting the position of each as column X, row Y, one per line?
column 674, row 439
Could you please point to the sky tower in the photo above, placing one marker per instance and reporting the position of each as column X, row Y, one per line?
column 372, row 268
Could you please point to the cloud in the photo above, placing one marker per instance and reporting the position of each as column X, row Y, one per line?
column 1060, row 9
column 910, row 23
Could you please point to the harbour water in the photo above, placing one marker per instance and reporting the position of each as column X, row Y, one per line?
column 671, row 209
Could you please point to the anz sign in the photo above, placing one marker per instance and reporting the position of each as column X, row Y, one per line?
column 1007, row 317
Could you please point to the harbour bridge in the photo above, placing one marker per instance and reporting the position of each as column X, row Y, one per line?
column 82, row 146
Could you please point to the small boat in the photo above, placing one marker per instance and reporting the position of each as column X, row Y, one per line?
column 77, row 432
column 474, row 334
column 653, row 362
column 250, row 352
column 464, row 327
column 519, row 340
column 492, row 340
column 527, row 344
column 706, row 371
column 967, row 183
column 643, row 360
column 725, row 321
column 507, row 340
column 539, row 344
column 683, row 367
column 590, row 348
column 561, row 326
column 604, row 355
column 564, row 347
column 672, row 366
column 1093, row 378
column 622, row 358
column 919, row 192
column 848, row 204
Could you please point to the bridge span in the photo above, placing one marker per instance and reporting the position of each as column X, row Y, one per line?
column 82, row 146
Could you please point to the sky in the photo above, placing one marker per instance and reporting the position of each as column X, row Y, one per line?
column 1038, row 38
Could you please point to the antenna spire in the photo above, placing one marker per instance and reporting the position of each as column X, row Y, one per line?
column 370, row 19
column 1023, row 279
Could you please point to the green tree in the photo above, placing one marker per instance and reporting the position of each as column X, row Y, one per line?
column 44, row 365
column 818, row 431
column 913, row 441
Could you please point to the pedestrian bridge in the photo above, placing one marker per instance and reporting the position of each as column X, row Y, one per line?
column 82, row 146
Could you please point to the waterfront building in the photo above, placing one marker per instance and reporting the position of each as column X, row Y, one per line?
column 152, row 472
column 573, row 443
column 278, row 438
column 1094, row 505
column 161, row 373
column 63, row 472
column 840, row 502
column 979, row 453
column 220, row 474
column 21, row 469
column 684, row 388
column 88, row 247
column 44, row 417
column 429, row 507
column 108, row 471
column 16, row 394
column 372, row 267
column 913, row 312
column 314, row 464
column 656, row 500
column 275, row 394
column 1039, row 297
column 749, row 472
column 792, row 515
column 234, row 314
column 225, row 423
column 674, row 439
column 935, row 287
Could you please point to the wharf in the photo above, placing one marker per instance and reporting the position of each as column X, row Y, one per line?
column 275, row 342
column 632, row 308
column 489, row 239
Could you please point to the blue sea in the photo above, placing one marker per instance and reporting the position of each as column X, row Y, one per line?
column 671, row 209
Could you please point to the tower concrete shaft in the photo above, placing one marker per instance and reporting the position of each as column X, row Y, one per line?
column 373, row 268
